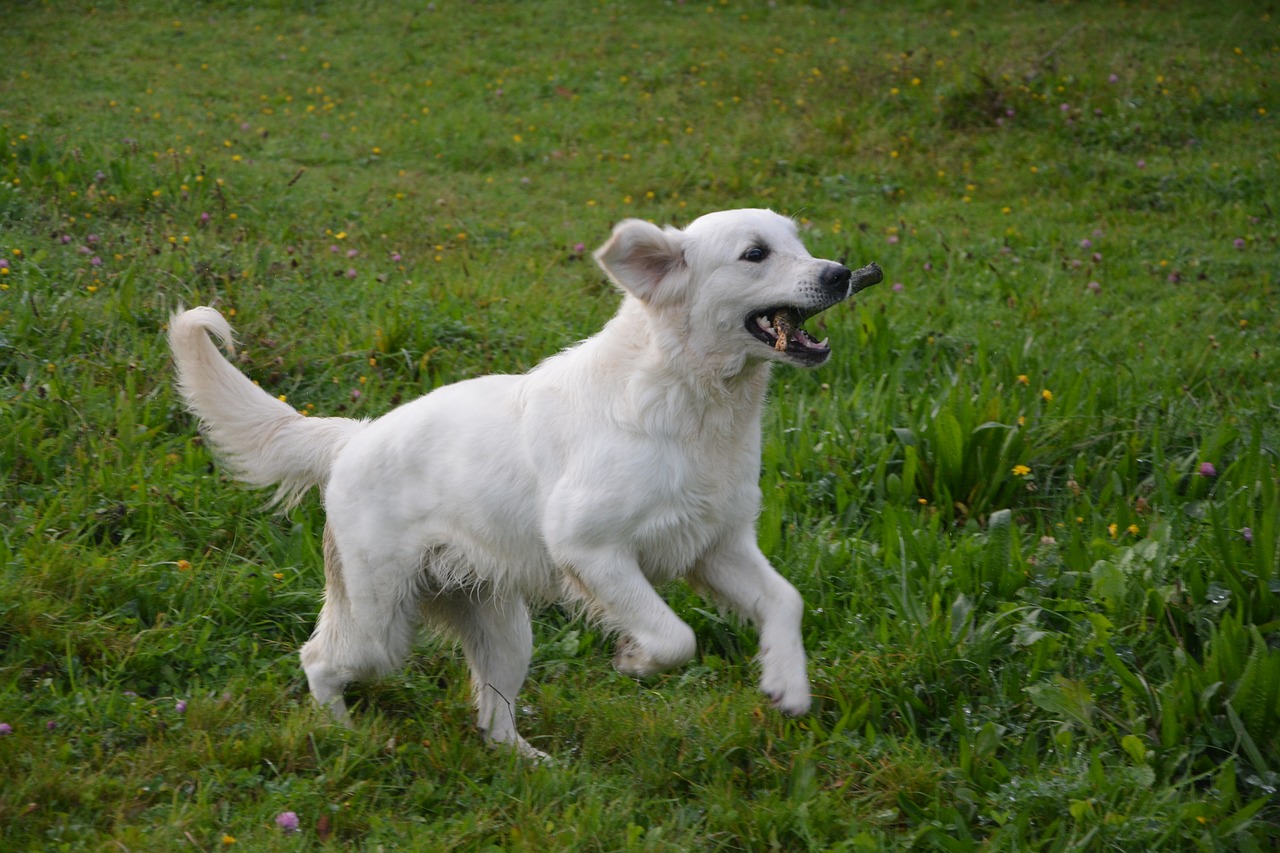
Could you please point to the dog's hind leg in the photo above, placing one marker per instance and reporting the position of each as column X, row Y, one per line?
column 358, row 635
column 497, row 639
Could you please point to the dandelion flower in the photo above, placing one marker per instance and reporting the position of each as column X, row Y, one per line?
column 1046, row 395
column 1021, row 470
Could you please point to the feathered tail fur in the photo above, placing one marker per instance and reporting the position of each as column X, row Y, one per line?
column 262, row 439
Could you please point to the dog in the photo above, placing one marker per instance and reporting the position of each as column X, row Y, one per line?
column 625, row 461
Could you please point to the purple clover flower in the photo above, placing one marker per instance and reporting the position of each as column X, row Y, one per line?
column 288, row 821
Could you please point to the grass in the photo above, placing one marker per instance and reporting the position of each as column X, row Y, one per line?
column 1031, row 503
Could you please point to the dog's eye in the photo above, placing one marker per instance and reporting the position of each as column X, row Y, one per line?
column 755, row 254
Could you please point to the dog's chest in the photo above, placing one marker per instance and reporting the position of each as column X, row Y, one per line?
column 690, row 500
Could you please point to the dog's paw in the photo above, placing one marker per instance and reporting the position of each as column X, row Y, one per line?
column 522, row 748
column 660, row 651
column 630, row 658
column 792, row 699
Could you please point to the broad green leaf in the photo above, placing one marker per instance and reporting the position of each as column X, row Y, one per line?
column 949, row 443
column 1064, row 697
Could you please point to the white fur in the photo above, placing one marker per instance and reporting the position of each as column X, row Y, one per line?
column 626, row 461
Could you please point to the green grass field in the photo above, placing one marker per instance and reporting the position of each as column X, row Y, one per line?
column 1032, row 503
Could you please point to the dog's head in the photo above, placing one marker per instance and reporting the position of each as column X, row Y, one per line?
column 733, row 285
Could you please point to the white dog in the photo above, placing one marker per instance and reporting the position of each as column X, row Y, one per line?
column 626, row 461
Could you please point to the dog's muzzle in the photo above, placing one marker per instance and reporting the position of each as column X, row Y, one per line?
column 780, row 326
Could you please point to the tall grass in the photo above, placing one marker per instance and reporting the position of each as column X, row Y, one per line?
column 1031, row 502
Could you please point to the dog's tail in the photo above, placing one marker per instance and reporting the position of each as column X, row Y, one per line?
column 263, row 440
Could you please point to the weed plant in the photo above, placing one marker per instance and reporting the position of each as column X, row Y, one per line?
column 1031, row 503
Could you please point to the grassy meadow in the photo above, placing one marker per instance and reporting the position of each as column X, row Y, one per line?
column 1032, row 502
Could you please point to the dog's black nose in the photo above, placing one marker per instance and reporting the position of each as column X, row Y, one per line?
column 836, row 279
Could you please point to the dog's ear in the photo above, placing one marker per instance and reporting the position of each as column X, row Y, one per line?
column 645, row 260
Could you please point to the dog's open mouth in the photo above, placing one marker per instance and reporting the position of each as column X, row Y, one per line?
column 781, row 328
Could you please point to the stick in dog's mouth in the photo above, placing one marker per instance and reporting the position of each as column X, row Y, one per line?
column 863, row 278
column 782, row 328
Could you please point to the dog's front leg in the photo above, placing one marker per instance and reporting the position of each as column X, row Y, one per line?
column 614, row 590
column 738, row 576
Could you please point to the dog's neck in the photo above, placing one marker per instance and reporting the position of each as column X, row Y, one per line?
column 656, row 375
